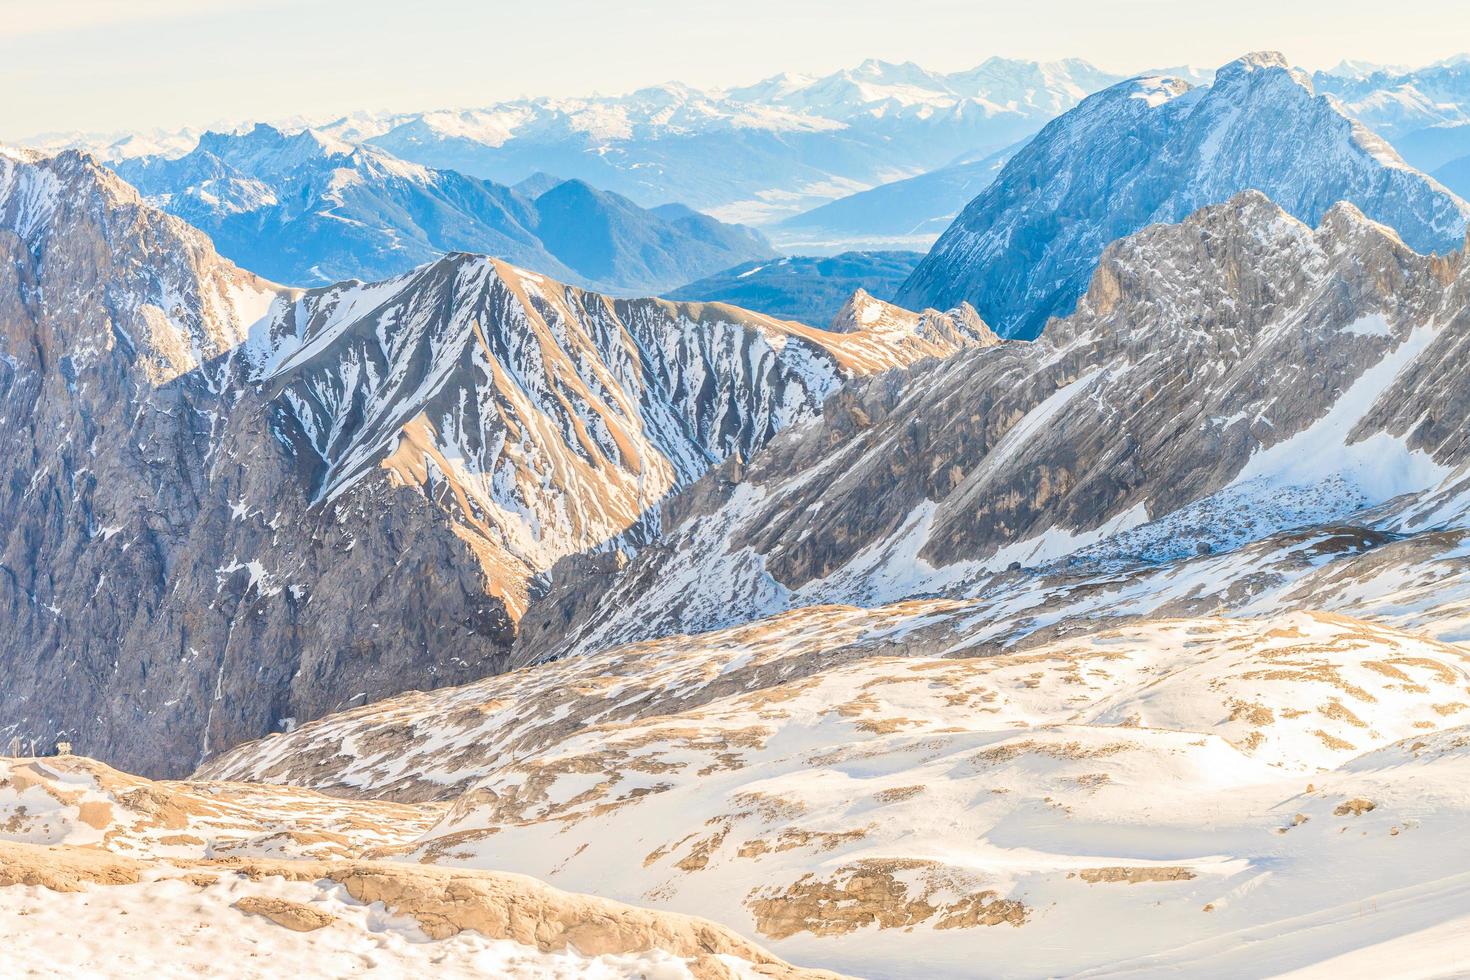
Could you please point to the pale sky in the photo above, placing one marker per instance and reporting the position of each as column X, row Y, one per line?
column 111, row 65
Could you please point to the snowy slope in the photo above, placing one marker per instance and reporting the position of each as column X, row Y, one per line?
column 1154, row 149
column 105, row 874
column 1050, row 811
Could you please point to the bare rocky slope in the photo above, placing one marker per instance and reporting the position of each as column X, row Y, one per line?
column 1155, row 149
column 230, row 506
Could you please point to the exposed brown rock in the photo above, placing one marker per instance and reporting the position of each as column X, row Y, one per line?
column 293, row 915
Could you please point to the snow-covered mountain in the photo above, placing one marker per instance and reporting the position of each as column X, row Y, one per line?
column 1395, row 101
column 1154, row 149
column 229, row 503
column 885, row 644
column 1020, row 654
column 749, row 154
column 753, row 153
column 1424, row 112
column 309, row 209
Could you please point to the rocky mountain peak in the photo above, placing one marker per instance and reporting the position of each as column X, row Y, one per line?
column 1253, row 61
column 447, row 435
column 163, row 298
column 1024, row 249
column 942, row 332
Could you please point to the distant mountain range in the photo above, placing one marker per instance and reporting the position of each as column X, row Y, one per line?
column 306, row 208
column 1396, row 102
column 910, row 213
column 750, row 154
column 809, row 289
column 1157, row 149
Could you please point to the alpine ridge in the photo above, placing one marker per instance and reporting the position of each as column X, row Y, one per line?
column 444, row 543
column 1081, row 452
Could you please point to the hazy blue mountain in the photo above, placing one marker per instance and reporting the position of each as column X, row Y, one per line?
column 1155, row 149
column 1434, row 146
column 809, row 289
column 605, row 237
column 537, row 184
column 308, row 208
column 753, row 154
column 910, row 212
column 1456, row 176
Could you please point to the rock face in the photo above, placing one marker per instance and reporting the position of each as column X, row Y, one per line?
column 230, row 506
column 1223, row 380
column 308, row 208
column 146, row 617
column 1155, row 149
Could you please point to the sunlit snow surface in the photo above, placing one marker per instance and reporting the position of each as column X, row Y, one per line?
column 1137, row 800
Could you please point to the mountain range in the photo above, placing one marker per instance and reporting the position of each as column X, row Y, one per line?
column 748, row 154
column 308, row 209
column 469, row 620
column 244, row 505
column 1158, row 615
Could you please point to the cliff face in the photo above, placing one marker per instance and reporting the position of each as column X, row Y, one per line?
column 149, row 620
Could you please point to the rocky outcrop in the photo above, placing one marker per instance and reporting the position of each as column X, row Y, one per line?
column 1155, row 149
